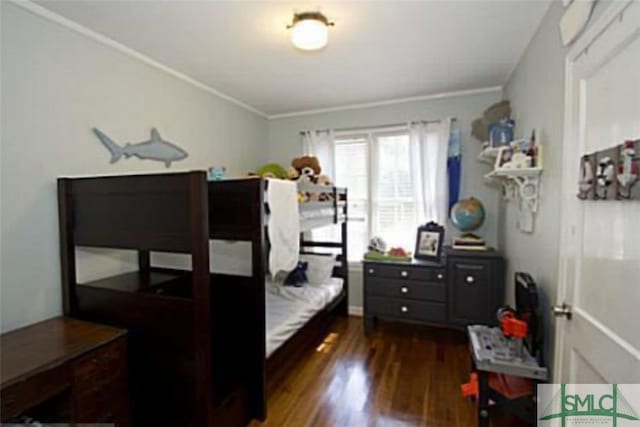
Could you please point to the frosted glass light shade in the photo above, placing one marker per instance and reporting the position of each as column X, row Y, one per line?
column 309, row 34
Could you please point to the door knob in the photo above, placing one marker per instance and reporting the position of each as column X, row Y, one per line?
column 562, row 310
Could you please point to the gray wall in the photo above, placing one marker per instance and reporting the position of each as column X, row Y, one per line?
column 56, row 86
column 284, row 143
column 536, row 91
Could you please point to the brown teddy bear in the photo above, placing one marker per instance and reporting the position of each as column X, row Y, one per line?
column 308, row 167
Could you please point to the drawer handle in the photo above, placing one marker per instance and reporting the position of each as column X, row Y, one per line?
column 404, row 309
column 371, row 271
column 404, row 289
column 470, row 279
column 440, row 276
column 404, row 273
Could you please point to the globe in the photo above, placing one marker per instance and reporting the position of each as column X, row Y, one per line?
column 467, row 215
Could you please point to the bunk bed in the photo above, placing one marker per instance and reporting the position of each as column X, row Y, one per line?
column 198, row 339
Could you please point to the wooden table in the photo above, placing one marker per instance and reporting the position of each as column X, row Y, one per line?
column 65, row 370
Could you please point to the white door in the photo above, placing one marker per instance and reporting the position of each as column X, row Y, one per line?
column 600, row 248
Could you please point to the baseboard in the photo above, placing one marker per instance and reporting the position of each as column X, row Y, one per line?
column 355, row 310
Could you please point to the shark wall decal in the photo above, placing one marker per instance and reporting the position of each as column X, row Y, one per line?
column 155, row 148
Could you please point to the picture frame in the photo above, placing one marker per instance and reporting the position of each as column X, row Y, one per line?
column 429, row 242
column 504, row 157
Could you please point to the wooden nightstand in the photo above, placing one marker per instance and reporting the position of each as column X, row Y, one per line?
column 465, row 288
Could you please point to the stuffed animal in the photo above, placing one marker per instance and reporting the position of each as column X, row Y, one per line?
column 298, row 276
column 292, row 173
column 308, row 168
column 216, row 173
column 272, row 170
column 324, row 180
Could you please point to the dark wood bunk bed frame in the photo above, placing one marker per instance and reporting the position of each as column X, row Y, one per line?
column 197, row 339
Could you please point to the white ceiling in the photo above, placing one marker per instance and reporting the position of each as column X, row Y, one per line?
column 377, row 50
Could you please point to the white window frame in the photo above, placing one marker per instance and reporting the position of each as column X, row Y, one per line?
column 370, row 137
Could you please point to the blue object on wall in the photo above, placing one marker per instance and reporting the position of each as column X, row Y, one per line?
column 454, row 164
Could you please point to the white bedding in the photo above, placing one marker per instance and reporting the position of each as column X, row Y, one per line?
column 289, row 308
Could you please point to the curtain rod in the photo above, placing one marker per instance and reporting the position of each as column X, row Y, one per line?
column 368, row 128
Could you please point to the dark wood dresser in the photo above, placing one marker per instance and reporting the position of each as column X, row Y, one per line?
column 65, row 370
column 465, row 288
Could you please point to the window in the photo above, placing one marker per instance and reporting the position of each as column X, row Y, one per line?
column 351, row 170
column 393, row 208
column 376, row 170
column 396, row 177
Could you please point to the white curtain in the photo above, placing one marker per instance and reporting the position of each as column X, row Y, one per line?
column 320, row 144
column 429, row 147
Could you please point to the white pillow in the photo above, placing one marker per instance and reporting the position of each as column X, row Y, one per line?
column 320, row 268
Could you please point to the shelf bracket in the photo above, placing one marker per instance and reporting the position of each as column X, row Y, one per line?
column 527, row 190
column 518, row 185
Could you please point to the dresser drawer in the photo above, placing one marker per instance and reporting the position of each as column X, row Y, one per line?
column 97, row 378
column 17, row 398
column 424, row 311
column 408, row 289
column 100, row 366
column 408, row 272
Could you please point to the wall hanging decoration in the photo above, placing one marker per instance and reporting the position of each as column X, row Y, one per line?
column 496, row 118
column 429, row 242
column 155, row 148
column 611, row 174
column 629, row 170
column 586, row 184
column 606, row 182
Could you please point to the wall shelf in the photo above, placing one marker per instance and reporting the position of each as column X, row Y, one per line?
column 488, row 155
column 520, row 185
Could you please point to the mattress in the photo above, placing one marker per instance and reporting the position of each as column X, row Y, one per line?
column 288, row 308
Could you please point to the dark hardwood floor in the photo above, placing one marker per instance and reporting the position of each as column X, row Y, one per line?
column 399, row 376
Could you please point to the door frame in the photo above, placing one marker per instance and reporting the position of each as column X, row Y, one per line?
column 568, row 235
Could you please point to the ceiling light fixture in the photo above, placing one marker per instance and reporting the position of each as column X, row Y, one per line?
column 310, row 30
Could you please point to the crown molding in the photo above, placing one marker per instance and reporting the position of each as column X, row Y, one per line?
column 441, row 95
column 104, row 40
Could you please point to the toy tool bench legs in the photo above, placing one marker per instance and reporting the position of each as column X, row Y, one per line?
column 507, row 360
